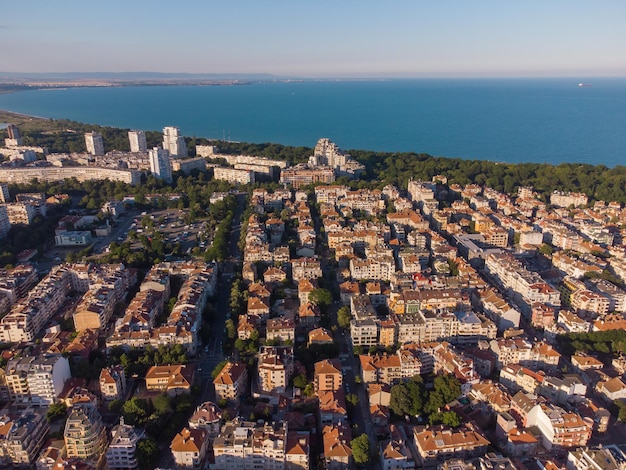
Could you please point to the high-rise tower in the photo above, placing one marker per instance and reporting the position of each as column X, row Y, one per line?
column 160, row 164
column 137, row 141
column 94, row 143
column 173, row 142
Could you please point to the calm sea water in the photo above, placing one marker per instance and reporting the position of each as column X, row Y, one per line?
column 506, row 120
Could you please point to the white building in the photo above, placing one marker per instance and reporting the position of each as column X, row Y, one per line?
column 46, row 377
column 160, row 165
column 137, row 141
column 233, row 176
column 173, row 142
column 73, row 238
column 121, row 451
column 94, row 143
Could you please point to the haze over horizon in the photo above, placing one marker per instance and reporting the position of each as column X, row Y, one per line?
column 322, row 39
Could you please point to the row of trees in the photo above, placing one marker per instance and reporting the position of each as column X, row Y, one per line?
column 138, row 361
column 608, row 343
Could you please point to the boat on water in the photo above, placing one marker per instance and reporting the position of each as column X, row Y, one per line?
column 584, row 84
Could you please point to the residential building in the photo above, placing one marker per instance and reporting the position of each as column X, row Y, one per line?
column 246, row 445
column 337, row 450
column 298, row 451
column 234, row 176
column 207, row 416
column 438, row 444
column 231, row 382
column 275, row 368
column 94, row 143
column 172, row 379
column 301, row 175
column 160, row 164
column 24, row 438
column 113, row 383
column 85, row 435
column 189, row 448
column 559, row 429
column 37, row 380
column 328, row 375
column 121, row 452
column 174, row 143
column 596, row 459
column 137, row 141
column 81, row 173
column 613, row 389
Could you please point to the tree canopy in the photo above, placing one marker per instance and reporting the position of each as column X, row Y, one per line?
column 361, row 449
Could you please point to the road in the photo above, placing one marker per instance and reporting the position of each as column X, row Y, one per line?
column 212, row 353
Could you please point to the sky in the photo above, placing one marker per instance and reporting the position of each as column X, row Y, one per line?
column 317, row 38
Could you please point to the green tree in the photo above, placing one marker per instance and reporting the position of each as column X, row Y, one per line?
column 300, row 381
column 56, row 411
column 218, row 368
column 343, row 317
column 136, row 411
column 322, row 297
column 448, row 418
column 147, row 453
column 448, row 386
column 352, row 399
column 231, row 331
column 162, row 404
column 360, row 449
column 546, row 249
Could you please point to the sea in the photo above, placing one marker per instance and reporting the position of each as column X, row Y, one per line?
column 504, row 120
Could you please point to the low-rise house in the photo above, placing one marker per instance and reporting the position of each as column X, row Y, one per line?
column 320, row 336
column 516, row 377
column 332, row 408
column 337, row 450
column 378, row 394
column 207, row 416
column 520, row 443
column 281, row 329
column 173, row 379
column 493, row 395
column 309, row 315
column 395, row 453
column 613, row 389
column 189, row 448
column 297, row 451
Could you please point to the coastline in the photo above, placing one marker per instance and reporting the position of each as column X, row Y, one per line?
column 455, row 119
column 14, row 87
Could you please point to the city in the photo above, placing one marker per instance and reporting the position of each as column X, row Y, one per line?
column 297, row 318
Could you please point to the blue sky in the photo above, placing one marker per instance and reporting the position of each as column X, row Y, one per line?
column 321, row 38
